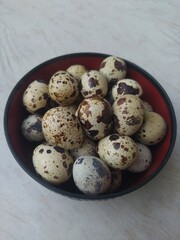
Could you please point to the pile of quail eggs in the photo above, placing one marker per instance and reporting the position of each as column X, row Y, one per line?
column 91, row 125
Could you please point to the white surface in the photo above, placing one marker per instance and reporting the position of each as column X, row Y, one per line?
column 144, row 32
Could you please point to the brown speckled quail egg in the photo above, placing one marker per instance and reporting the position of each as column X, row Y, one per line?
column 147, row 106
column 114, row 68
column 144, row 159
column 117, row 151
column 76, row 70
column 32, row 128
column 126, row 86
column 95, row 115
column 91, row 175
column 35, row 96
column 87, row 148
column 128, row 114
column 62, row 128
column 63, row 88
column 93, row 83
column 153, row 130
column 116, row 180
column 54, row 164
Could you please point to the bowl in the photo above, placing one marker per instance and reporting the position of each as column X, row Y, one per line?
column 22, row 149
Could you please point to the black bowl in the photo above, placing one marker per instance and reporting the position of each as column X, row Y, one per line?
column 22, row 149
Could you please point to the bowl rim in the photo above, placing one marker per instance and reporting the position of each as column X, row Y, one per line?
column 82, row 196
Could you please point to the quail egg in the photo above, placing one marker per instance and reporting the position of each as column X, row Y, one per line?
column 35, row 96
column 93, row 83
column 76, row 70
column 62, row 128
column 63, row 88
column 113, row 68
column 88, row 147
column 126, row 86
column 91, row 175
column 95, row 115
column 144, row 159
column 32, row 128
column 153, row 130
column 128, row 114
column 117, row 151
column 54, row 164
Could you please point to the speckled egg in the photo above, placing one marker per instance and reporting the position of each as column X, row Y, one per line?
column 153, row 130
column 88, row 147
column 144, row 159
column 93, row 83
column 62, row 128
column 147, row 106
column 117, row 151
column 95, row 115
column 128, row 114
column 114, row 68
column 35, row 96
column 32, row 128
column 126, row 86
column 63, row 88
column 54, row 164
column 116, row 180
column 91, row 175
column 77, row 70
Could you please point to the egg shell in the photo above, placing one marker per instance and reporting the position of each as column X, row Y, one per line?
column 35, row 96
column 88, row 147
column 126, row 86
column 153, row 130
column 128, row 114
column 95, row 115
column 54, row 164
column 93, row 83
column 32, row 128
column 91, row 175
column 77, row 70
column 62, row 128
column 63, row 88
column 116, row 180
column 117, row 151
column 147, row 106
column 144, row 159
column 113, row 68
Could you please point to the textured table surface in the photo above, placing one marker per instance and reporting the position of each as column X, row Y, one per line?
column 144, row 32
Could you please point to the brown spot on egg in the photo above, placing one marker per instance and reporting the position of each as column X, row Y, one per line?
column 55, row 177
column 46, row 172
column 92, row 82
column 64, row 164
column 123, row 159
column 119, row 65
column 48, row 151
column 123, row 88
column 116, row 146
column 121, row 101
column 58, row 149
column 98, row 91
column 93, row 133
column 113, row 137
column 103, row 64
column 131, row 121
column 41, row 150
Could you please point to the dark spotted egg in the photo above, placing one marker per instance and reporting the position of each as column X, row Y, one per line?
column 62, row 128
column 95, row 115
column 153, row 129
column 91, row 175
column 35, row 96
column 32, row 128
column 117, row 151
column 113, row 68
column 63, row 88
column 54, row 164
column 126, row 86
column 93, row 83
column 128, row 114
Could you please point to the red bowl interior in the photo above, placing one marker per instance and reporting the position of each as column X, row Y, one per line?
column 153, row 93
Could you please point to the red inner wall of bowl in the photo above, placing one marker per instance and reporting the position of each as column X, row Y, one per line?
column 23, row 149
